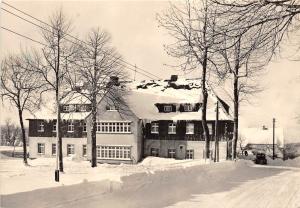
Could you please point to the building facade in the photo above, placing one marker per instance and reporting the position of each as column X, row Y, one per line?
column 158, row 118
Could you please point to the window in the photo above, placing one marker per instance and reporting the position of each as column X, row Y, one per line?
column 154, row 152
column 111, row 108
column 171, row 153
column 210, row 130
column 72, row 108
column 189, row 128
column 54, row 126
column 154, row 128
column 84, row 127
column 167, row 108
column 70, row 126
column 66, row 108
column 41, row 127
column 113, row 127
column 172, row 128
column 189, row 154
column 70, row 149
column 188, row 107
column 53, row 149
column 82, row 108
column 114, row 152
column 41, row 148
column 84, row 150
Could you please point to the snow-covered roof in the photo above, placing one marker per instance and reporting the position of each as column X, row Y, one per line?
column 262, row 136
column 144, row 95
column 74, row 97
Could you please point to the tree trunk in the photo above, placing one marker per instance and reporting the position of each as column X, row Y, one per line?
column 23, row 137
column 93, row 134
column 204, row 106
column 235, row 118
column 59, row 151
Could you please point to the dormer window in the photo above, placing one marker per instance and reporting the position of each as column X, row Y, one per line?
column 111, row 108
column 188, row 108
column 167, row 108
column 82, row 108
column 66, row 108
column 71, row 108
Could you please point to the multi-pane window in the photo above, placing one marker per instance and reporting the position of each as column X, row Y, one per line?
column 167, row 108
column 189, row 128
column 154, row 128
column 72, row 108
column 84, row 150
column 113, row 127
column 41, row 148
column 171, row 153
column 189, row 154
column 82, row 108
column 53, row 149
column 66, row 108
column 41, row 126
column 154, row 152
column 70, row 149
column 84, row 127
column 114, row 152
column 188, row 107
column 54, row 126
column 70, row 126
column 172, row 128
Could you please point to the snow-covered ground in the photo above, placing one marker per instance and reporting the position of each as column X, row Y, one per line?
column 156, row 182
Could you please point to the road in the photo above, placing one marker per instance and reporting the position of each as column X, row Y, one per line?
column 224, row 185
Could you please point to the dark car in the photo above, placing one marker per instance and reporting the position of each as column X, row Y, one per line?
column 260, row 159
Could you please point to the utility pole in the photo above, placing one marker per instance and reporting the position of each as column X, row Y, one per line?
column 273, row 138
column 216, row 159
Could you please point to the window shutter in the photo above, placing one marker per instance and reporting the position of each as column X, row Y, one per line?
column 163, row 128
column 181, row 128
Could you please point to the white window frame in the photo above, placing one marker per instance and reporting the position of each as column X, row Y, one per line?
column 41, row 127
column 190, row 154
column 82, row 108
column 112, row 108
column 70, row 126
column 190, row 128
column 172, row 128
column 84, row 149
column 66, row 108
column 172, row 152
column 71, row 148
column 167, row 108
column 114, row 152
column 114, row 127
column 54, row 127
column 41, row 146
column 53, row 144
column 188, row 108
column 154, row 128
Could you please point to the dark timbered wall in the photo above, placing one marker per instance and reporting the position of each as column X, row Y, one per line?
column 181, row 131
column 48, row 129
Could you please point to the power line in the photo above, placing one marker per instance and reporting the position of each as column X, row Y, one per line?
column 67, row 35
column 9, row 30
column 24, row 36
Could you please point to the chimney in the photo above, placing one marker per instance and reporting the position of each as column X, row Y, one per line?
column 114, row 80
column 174, row 78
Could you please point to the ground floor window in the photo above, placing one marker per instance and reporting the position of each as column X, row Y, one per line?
column 70, row 149
column 154, row 152
column 114, row 152
column 41, row 148
column 53, row 149
column 189, row 154
column 84, row 150
column 171, row 153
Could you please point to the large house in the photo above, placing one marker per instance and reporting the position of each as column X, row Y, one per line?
column 159, row 118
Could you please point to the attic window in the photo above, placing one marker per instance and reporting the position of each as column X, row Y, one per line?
column 66, row 108
column 188, row 108
column 167, row 108
column 111, row 108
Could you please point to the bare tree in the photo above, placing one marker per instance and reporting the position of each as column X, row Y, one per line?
column 192, row 27
column 21, row 87
column 54, row 64
column 99, row 70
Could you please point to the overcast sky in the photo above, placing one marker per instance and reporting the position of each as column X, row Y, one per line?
column 137, row 37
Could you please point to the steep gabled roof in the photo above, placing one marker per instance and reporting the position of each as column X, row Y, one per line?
column 144, row 95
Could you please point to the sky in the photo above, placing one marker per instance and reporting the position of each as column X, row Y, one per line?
column 137, row 37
